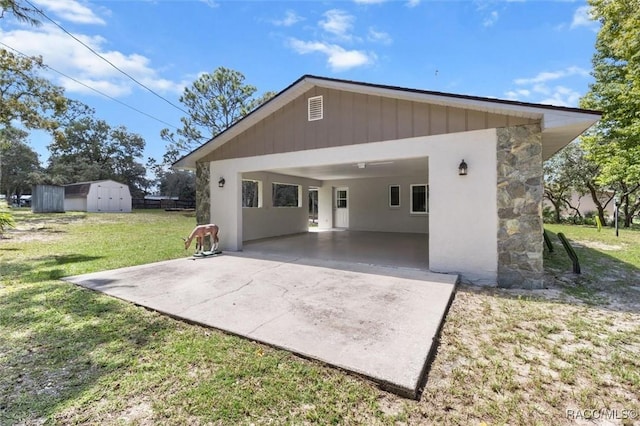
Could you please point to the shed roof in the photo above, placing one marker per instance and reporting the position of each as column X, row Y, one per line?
column 77, row 190
column 560, row 125
column 81, row 189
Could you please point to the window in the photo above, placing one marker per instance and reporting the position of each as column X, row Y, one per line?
column 251, row 193
column 394, row 195
column 315, row 111
column 341, row 198
column 285, row 195
column 419, row 199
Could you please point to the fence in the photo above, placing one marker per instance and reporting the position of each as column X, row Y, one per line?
column 143, row 203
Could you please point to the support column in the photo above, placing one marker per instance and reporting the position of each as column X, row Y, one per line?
column 203, row 193
column 325, row 207
column 519, row 197
column 226, row 209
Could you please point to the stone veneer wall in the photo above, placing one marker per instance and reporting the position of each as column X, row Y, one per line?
column 203, row 193
column 520, row 193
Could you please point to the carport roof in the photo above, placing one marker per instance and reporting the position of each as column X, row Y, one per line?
column 560, row 125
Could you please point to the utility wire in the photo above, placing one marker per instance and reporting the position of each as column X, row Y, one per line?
column 103, row 58
column 93, row 89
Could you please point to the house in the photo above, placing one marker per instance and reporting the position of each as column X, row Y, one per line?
column 465, row 172
column 584, row 204
column 104, row 196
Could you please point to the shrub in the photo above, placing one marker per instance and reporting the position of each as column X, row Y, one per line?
column 6, row 218
column 548, row 215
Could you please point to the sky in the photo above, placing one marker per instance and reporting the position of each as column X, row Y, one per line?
column 527, row 50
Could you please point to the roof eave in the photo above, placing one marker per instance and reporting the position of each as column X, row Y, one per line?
column 553, row 118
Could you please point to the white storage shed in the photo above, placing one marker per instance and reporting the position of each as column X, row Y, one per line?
column 103, row 196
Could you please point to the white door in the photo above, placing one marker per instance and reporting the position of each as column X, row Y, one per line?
column 341, row 208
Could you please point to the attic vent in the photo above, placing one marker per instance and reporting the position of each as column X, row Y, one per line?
column 315, row 108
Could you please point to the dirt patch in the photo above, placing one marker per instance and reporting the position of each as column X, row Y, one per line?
column 140, row 414
column 597, row 245
column 23, row 235
column 526, row 357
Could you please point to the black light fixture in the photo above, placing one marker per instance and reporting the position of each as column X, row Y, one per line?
column 462, row 168
column 221, row 183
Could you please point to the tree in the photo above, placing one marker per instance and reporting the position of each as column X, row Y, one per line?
column 24, row 97
column 213, row 102
column 570, row 171
column 557, row 184
column 614, row 143
column 19, row 10
column 89, row 149
column 17, row 162
column 179, row 183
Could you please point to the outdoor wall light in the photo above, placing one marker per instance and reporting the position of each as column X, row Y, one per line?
column 462, row 168
column 221, row 183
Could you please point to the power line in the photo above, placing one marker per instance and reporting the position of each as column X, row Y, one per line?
column 103, row 58
column 93, row 89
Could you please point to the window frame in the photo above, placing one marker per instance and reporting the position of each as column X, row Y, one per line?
column 426, row 193
column 391, row 205
column 260, row 193
column 299, row 195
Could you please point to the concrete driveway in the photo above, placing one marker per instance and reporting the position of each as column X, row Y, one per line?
column 379, row 322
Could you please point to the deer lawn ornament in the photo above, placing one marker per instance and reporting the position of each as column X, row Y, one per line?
column 199, row 232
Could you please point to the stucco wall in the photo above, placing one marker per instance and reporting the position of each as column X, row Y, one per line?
column 369, row 205
column 463, row 215
column 269, row 221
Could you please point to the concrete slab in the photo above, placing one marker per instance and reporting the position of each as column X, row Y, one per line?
column 378, row 322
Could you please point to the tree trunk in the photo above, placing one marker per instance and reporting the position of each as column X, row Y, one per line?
column 557, row 205
column 596, row 201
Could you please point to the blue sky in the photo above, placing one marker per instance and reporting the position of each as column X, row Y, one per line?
column 527, row 50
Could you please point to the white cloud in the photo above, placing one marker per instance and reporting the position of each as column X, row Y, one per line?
column 562, row 96
column 518, row 94
column 71, row 10
column 211, row 3
column 290, row 18
column 550, row 87
column 379, row 36
column 338, row 23
column 582, row 18
column 491, row 19
column 69, row 57
column 338, row 58
column 553, row 75
column 369, row 1
column 412, row 3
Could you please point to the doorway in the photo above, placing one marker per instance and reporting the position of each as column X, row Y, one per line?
column 341, row 207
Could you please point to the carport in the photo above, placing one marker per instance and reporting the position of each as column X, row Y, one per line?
column 390, row 159
column 389, row 249
column 364, row 213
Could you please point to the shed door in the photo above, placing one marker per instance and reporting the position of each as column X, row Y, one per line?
column 341, row 208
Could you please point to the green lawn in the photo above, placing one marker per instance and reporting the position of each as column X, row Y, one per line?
column 73, row 356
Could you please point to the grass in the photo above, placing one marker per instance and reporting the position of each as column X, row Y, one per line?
column 73, row 356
